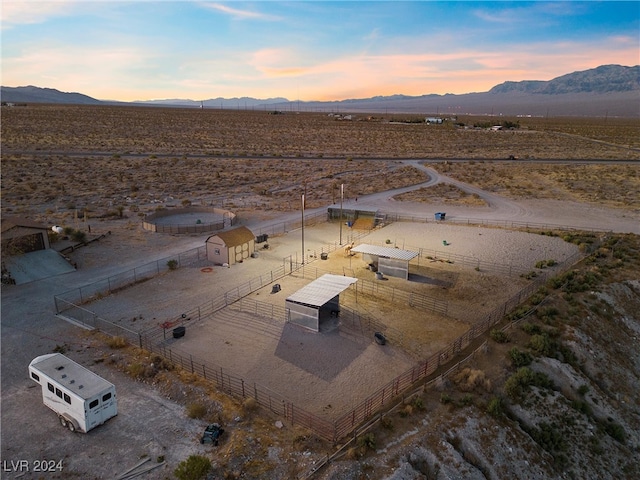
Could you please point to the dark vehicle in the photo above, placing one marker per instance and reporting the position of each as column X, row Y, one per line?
column 212, row 433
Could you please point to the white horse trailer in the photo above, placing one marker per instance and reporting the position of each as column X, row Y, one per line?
column 82, row 399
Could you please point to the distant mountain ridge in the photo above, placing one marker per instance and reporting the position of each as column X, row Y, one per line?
column 606, row 90
column 31, row 94
column 603, row 79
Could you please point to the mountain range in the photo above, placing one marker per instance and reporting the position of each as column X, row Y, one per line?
column 608, row 90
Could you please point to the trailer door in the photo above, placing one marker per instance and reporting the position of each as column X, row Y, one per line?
column 100, row 409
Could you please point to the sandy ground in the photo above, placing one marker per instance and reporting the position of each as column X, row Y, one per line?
column 342, row 365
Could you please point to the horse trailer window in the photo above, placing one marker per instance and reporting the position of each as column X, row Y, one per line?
column 58, row 392
column 35, row 376
column 106, row 397
column 50, row 387
column 93, row 404
column 67, row 399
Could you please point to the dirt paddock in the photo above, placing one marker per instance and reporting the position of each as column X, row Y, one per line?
column 328, row 372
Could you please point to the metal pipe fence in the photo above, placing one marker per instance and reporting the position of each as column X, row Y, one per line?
column 276, row 403
column 390, row 217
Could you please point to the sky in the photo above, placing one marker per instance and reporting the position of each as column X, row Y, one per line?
column 306, row 50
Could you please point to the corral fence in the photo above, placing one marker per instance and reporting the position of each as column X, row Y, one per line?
column 378, row 289
column 150, row 221
column 390, row 217
column 350, row 422
column 115, row 283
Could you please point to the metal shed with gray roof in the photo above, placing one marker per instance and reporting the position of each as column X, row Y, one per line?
column 317, row 301
column 393, row 262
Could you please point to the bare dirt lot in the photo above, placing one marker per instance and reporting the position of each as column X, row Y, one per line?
column 342, row 365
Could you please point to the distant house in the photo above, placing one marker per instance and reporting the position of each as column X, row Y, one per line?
column 20, row 235
column 230, row 247
column 435, row 120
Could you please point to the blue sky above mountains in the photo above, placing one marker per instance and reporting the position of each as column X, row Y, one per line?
column 306, row 50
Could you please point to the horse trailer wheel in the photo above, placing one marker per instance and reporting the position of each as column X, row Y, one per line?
column 63, row 421
column 71, row 426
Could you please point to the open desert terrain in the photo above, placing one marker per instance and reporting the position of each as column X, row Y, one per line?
column 102, row 169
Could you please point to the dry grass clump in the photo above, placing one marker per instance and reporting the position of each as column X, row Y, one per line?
column 469, row 380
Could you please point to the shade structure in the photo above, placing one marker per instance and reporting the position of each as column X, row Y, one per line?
column 393, row 262
column 307, row 306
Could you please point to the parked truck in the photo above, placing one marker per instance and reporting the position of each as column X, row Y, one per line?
column 82, row 399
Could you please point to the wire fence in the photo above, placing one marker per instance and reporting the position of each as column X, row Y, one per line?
column 96, row 290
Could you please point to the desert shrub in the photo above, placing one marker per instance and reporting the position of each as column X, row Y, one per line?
column 117, row 342
column 541, row 344
column 499, row 336
column 466, row 400
column 519, row 358
column 495, row 407
column 60, row 349
column 79, row 236
column 367, row 441
column 518, row 313
column 615, row 431
column 136, row 370
column 196, row 410
column 418, row 403
column 250, row 404
column 549, row 437
column 406, row 411
column 547, row 312
column 545, row 263
column 583, row 389
column 172, row 264
column 530, row 328
column 524, row 377
column 581, row 406
column 195, row 467
column 468, row 379
column 386, row 423
column 446, row 399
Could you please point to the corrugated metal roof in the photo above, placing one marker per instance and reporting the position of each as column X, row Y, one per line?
column 386, row 252
column 321, row 290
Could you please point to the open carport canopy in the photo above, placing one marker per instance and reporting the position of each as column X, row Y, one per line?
column 322, row 290
column 385, row 252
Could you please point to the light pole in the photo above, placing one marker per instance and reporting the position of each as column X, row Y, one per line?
column 303, row 229
column 341, row 199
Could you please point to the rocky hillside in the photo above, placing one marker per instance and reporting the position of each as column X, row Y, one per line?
column 553, row 395
column 31, row 94
column 604, row 79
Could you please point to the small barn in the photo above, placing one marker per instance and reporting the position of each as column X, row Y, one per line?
column 20, row 236
column 317, row 301
column 393, row 262
column 232, row 246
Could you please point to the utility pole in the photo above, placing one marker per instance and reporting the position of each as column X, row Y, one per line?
column 303, row 229
column 341, row 199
